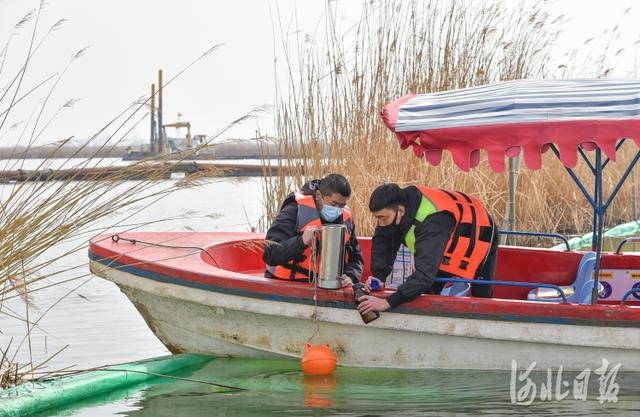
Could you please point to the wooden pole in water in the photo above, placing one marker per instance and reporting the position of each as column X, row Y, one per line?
column 512, row 198
column 634, row 187
column 152, row 136
column 514, row 168
column 634, row 195
column 161, row 138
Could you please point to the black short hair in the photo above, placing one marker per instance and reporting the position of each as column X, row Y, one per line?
column 386, row 196
column 335, row 183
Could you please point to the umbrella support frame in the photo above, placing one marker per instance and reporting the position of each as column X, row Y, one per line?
column 596, row 200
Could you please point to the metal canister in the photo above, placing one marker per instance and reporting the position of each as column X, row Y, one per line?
column 332, row 242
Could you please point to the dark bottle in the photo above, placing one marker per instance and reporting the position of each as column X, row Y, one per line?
column 357, row 293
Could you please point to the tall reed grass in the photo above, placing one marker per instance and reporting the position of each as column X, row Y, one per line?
column 327, row 115
column 36, row 217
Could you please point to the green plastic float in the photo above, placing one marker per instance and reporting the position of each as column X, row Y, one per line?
column 30, row 398
column 620, row 231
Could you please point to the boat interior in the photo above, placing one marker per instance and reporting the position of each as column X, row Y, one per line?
column 569, row 272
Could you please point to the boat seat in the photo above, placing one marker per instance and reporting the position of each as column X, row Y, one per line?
column 585, row 293
column 579, row 292
column 457, row 289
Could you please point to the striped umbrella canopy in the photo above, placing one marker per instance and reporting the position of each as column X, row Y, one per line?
column 518, row 116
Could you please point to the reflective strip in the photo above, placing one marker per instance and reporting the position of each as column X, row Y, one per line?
column 472, row 238
column 425, row 209
column 456, row 231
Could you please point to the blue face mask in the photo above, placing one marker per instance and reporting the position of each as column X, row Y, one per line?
column 330, row 213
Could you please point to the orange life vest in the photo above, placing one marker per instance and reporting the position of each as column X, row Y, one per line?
column 471, row 238
column 308, row 216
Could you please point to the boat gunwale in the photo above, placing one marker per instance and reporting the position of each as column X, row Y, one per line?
column 220, row 280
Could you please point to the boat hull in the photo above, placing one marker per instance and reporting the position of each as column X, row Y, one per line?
column 188, row 319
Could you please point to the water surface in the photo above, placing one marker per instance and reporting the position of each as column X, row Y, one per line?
column 90, row 315
column 278, row 388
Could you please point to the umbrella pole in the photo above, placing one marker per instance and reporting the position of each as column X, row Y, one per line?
column 599, row 213
column 634, row 201
column 597, row 173
column 599, row 208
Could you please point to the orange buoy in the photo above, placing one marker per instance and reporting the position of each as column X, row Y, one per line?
column 318, row 360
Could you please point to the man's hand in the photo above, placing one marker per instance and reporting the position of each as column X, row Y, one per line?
column 308, row 234
column 369, row 303
column 367, row 284
column 345, row 281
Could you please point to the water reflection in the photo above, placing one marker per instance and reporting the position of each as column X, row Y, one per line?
column 319, row 390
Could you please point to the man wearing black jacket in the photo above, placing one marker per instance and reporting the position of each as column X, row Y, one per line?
column 451, row 235
column 287, row 250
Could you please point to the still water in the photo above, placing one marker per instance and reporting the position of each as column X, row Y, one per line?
column 99, row 326
column 278, row 388
column 96, row 321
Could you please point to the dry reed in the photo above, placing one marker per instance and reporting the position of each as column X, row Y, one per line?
column 327, row 115
column 40, row 215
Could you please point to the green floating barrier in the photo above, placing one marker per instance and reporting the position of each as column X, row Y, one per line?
column 620, row 231
column 30, row 398
column 624, row 230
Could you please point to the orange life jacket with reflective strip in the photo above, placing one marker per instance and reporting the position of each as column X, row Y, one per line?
column 308, row 216
column 471, row 238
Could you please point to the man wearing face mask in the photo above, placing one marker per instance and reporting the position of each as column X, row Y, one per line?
column 450, row 234
column 288, row 244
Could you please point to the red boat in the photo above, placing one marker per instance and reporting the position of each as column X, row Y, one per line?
column 217, row 301
column 205, row 292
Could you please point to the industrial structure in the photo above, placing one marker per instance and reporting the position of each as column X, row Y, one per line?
column 159, row 143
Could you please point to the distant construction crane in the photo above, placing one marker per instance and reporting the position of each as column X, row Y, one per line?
column 159, row 143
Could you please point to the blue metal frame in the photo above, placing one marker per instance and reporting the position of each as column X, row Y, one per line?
column 618, row 145
column 509, row 283
column 597, row 202
column 554, row 235
column 628, row 293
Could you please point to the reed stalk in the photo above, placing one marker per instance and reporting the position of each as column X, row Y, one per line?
column 43, row 222
column 327, row 113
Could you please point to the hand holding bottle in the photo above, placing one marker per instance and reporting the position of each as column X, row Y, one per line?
column 358, row 295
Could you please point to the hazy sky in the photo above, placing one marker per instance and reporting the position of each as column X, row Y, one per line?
column 130, row 39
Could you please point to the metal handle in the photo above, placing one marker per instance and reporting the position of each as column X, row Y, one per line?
column 554, row 235
column 628, row 293
column 629, row 239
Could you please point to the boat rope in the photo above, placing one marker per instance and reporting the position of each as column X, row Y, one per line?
column 116, row 238
column 313, row 276
column 198, row 381
column 313, row 279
